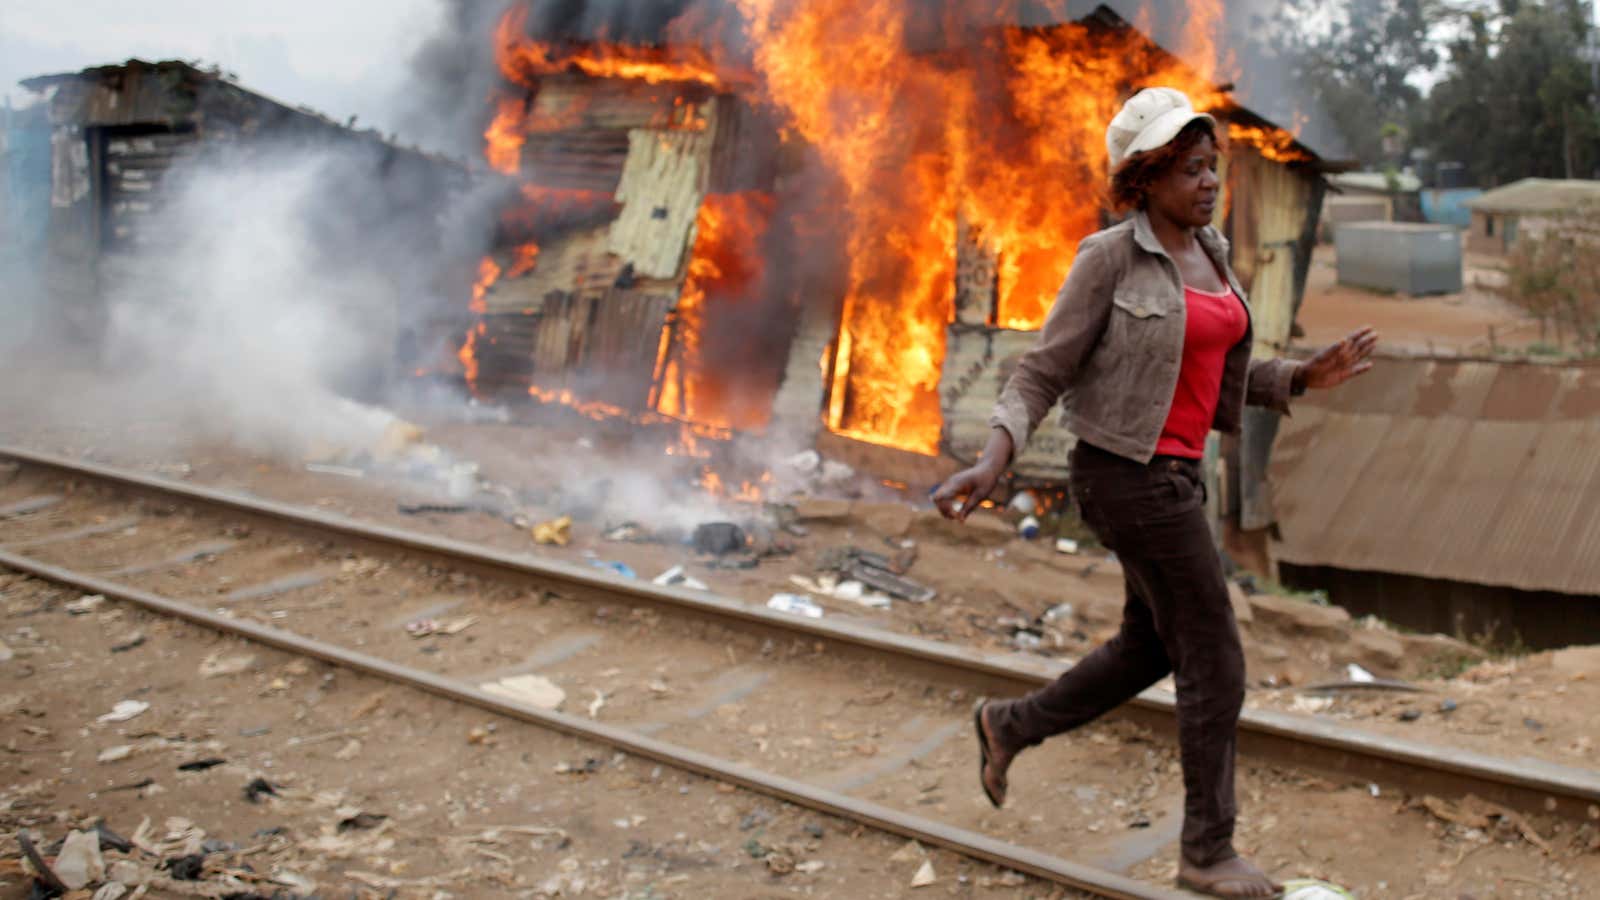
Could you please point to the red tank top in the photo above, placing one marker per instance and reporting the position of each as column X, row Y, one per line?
column 1214, row 323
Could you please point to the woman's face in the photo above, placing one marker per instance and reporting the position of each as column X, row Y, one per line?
column 1187, row 193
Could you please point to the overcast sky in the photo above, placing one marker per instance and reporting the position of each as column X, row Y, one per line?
column 340, row 57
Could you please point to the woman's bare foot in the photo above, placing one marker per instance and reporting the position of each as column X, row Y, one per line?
column 996, row 759
column 1233, row 877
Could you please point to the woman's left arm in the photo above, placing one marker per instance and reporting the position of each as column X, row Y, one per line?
column 1273, row 381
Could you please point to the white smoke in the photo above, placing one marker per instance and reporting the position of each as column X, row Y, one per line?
column 238, row 324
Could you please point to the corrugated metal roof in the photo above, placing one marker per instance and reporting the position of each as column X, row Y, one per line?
column 1537, row 195
column 1473, row 471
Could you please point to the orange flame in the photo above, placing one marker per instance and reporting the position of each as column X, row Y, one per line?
column 1008, row 133
column 488, row 274
column 506, row 134
column 724, row 272
column 522, row 59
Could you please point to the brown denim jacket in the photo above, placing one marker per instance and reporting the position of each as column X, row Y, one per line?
column 1113, row 344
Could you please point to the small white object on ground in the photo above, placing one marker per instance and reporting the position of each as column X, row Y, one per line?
column 1311, row 889
column 1025, row 502
column 124, row 710
column 86, row 604
column 534, row 690
column 1359, row 675
column 850, row 590
column 794, row 603
column 80, row 863
column 925, row 875
column 1066, row 545
column 1304, row 704
column 677, row 577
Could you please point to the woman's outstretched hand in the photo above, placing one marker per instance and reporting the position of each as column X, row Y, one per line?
column 975, row 483
column 1338, row 363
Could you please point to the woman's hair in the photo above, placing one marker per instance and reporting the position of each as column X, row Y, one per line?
column 1132, row 180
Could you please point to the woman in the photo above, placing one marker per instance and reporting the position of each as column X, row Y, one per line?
column 1150, row 340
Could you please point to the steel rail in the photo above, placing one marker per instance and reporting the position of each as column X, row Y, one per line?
column 1297, row 741
column 968, row 843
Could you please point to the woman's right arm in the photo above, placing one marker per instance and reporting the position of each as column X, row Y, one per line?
column 1071, row 330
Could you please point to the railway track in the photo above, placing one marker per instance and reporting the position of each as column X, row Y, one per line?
column 849, row 720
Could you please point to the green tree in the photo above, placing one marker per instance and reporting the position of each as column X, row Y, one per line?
column 1516, row 101
column 1359, row 61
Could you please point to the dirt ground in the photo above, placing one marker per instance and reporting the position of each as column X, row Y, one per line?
column 994, row 591
column 1460, row 323
column 379, row 790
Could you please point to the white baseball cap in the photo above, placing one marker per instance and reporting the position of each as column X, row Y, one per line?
column 1150, row 119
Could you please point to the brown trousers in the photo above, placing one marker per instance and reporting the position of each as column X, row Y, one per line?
column 1177, row 618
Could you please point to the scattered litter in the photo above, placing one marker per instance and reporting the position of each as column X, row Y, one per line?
column 1311, row 889
column 719, row 538
column 814, row 585
column 128, row 643
column 45, row 876
column 1305, row 704
column 124, row 710
column 534, row 690
column 677, row 577
column 795, row 603
column 115, row 754
column 342, row 471
column 200, row 765
column 216, row 665
column 258, row 788
column 925, row 875
column 190, row 867
column 911, row 852
column 805, row 462
column 617, row 568
column 1059, row 613
column 588, row 767
column 629, row 532
column 850, row 590
column 556, row 532
column 1359, row 675
column 877, row 572
column 1532, row 724
column 481, row 736
column 1447, row 706
column 1374, row 790
column 418, row 628
column 1067, row 546
column 79, row 863
column 361, row 821
column 1024, row 502
column 86, row 604
column 597, row 703
column 1028, row 528
column 1410, row 715
column 810, row 867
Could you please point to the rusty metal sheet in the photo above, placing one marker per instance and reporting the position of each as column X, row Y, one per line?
column 661, row 189
column 1473, row 471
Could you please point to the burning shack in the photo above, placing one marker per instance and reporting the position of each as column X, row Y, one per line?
column 847, row 232
column 119, row 133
